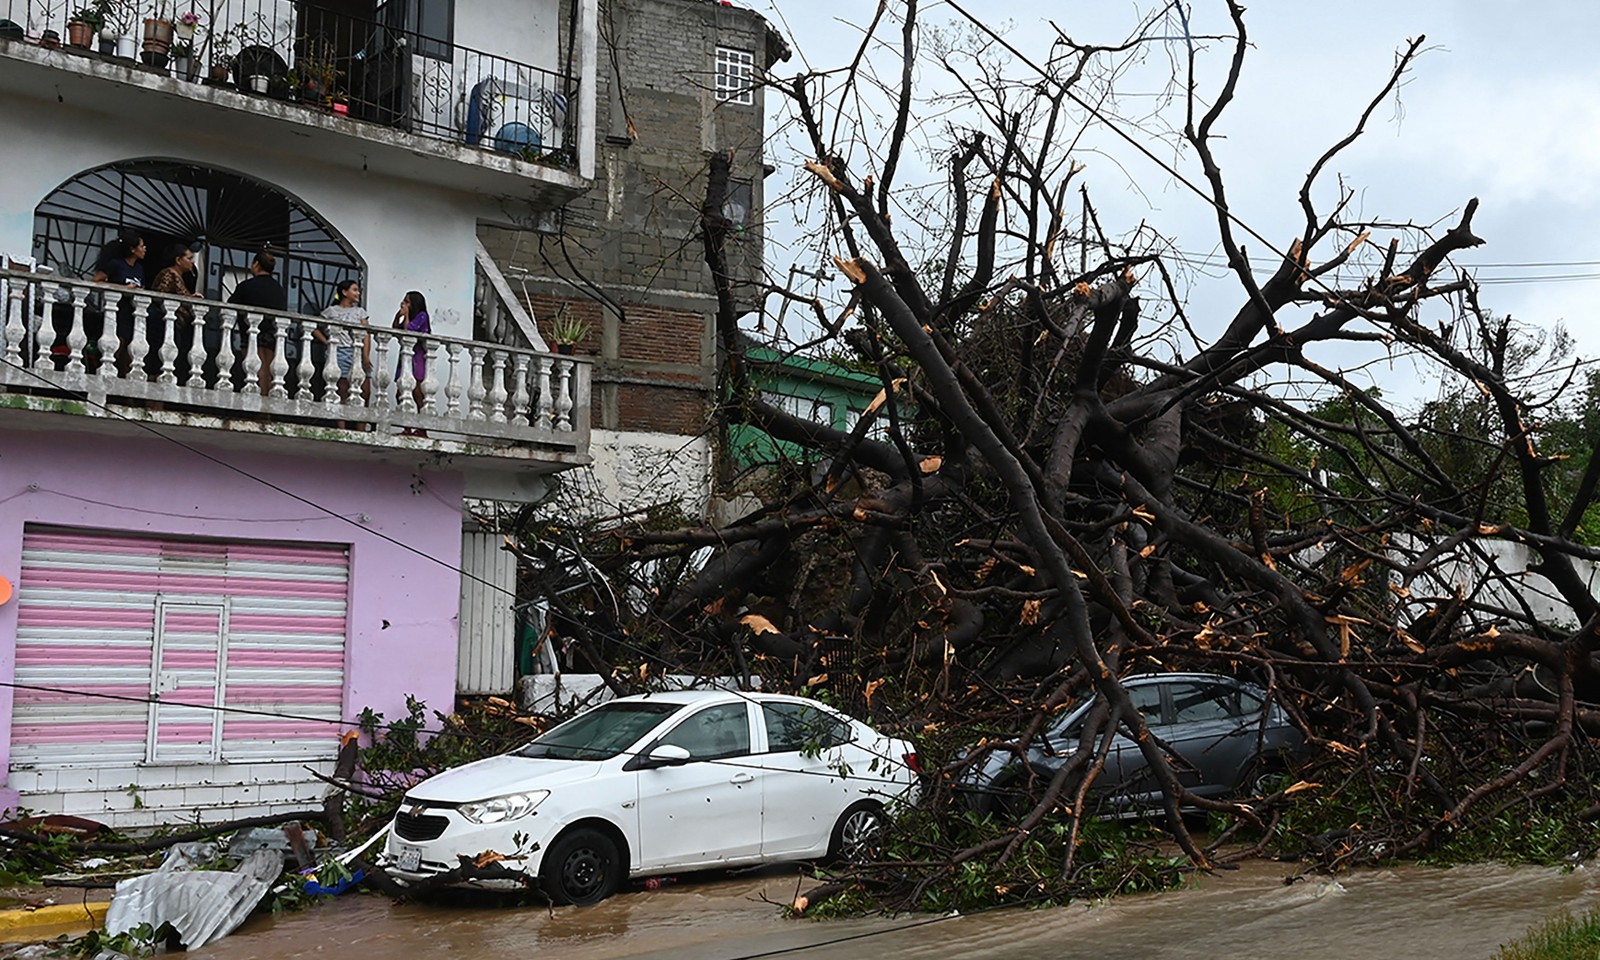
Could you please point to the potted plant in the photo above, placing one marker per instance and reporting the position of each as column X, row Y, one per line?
column 316, row 73
column 566, row 331
column 221, row 57
column 83, row 25
column 158, row 31
column 50, row 40
column 184, row 65
column 186, row 26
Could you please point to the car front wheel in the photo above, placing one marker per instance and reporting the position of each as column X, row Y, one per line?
column 582, row 867
column 856, row 835
column 1264, row 777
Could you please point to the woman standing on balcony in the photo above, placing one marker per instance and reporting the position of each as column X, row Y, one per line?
column 171, row 281
column 413, row 316
column 343, row 338
column 123, row 266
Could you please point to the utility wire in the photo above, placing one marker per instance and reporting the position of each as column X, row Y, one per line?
column 441, row 731
column 356, row 523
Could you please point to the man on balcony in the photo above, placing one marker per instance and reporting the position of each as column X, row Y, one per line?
column 262, row 289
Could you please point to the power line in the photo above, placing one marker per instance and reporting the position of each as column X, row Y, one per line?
column 262, row 480
column 402, row 726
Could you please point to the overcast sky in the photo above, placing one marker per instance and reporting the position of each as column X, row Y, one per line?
column 1503, row 105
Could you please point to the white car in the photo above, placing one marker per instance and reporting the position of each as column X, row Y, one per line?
column 651, row 784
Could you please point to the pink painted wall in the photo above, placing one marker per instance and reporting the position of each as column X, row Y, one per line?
column 403, row 604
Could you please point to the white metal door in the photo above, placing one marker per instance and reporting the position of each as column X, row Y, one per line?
column 186, row 687
column 486, row 651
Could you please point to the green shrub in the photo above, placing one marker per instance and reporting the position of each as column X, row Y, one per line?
column 1562, row 937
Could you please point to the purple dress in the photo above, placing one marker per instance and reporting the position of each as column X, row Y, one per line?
column 419, row 355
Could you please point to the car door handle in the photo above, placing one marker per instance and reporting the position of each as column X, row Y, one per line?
column 742, row 778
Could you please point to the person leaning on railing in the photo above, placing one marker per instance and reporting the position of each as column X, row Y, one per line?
column 123, row 265
column 413, row 317
column 261, row 289
column 347, row 310
column 171, row 281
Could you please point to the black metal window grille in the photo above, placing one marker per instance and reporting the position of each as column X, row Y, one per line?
column 169, row 202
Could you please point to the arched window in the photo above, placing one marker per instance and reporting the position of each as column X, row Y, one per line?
column 170, row 202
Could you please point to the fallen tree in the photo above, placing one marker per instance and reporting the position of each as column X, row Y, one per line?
column 1066, row 479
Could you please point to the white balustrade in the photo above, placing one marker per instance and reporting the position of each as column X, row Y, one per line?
column 546, row 407
column 330, row 371
column 408, row 377
column 252, row 355
column 110, row 306
column 280, row 361
column 497, row 389
column 382, row 369
column 77, row 339
column 168, row 351
column 305, row 367
column 44, row 329
column 200, row 355
column 564, row 395
column 358, row 372
column 197, row 351
column 225, row 355
column 475, row 388
column 453, row 388
column 430, row 379
column 16, row 328
column 519, row 397
column 138, row 345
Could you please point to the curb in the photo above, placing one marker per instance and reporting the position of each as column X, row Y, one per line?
column 54, row 916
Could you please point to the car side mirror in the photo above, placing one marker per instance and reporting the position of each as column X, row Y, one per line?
column 667, row 755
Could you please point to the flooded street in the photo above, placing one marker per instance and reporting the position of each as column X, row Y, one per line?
column 1421, row 914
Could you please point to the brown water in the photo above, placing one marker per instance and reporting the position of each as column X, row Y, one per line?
column 1413, row 913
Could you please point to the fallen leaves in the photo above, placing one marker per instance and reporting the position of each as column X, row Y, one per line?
column 758, row 624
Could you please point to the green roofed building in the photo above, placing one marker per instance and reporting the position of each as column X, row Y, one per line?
column 819, row 390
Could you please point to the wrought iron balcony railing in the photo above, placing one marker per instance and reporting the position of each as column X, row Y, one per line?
column 411, row 77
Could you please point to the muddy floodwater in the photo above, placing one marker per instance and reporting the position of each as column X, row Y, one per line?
column 1417, row 913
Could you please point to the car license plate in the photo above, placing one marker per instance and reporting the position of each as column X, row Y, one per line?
column 408, row 858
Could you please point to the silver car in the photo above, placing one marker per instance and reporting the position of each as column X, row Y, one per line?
column 1226, row 736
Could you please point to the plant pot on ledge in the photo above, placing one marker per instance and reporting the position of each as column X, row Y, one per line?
column 80, row 34
column 157, row 36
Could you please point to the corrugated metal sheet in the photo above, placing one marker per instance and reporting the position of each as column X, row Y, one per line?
column 486, row 658
column 255, row 628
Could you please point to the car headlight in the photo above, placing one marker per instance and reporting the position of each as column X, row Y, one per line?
column 512, row 806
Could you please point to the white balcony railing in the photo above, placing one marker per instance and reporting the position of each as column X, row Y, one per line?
column 62, row 336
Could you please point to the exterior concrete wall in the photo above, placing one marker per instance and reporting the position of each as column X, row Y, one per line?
column 1466, row 570
column 405, row 540
column 633, row 470
column 528, row 31
column 413, row 236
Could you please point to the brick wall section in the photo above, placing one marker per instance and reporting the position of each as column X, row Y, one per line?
column 662, row 409
column 650, row 333
column 658, row 333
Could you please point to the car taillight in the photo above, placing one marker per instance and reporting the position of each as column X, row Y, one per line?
column 910, row 760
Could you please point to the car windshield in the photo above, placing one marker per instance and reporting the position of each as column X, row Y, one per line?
column 602, row 733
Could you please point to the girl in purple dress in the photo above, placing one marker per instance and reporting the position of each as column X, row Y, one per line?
column 413, row 317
